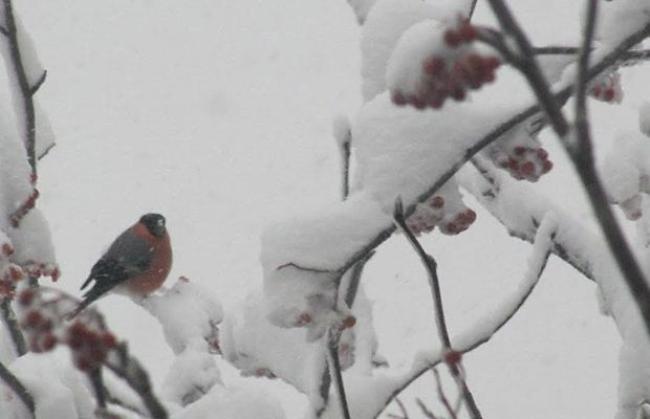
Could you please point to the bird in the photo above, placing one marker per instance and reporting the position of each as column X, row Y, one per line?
column 137, row 262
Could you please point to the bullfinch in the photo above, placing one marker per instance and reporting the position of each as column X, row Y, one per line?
column 137, row 263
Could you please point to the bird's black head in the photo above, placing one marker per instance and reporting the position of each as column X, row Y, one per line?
column 155, row 223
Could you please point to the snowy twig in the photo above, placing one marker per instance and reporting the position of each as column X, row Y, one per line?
column 27, row 91
column 431, row 267
column 582, row 130
column 581, row 155
column 9, row 319
column 561, row 96
column 472, row 7
column 488, row 195
column 17, row 387
column 333, row 338
column 475, row 338
column 634, row 55
column 129, row 369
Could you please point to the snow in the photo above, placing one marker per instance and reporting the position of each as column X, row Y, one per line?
column 626, row 172
column 57, row 388
column 233, row 404
column 402, row 152
column 386, row 23
column 188, row 312
column 301, row 257
column 199, row 139
column 617, row 19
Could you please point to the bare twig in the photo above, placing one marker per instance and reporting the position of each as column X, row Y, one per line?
column 38, row 84
column 442, row 396
column 9, row 319
column 26, row 90
column 431, row 267
column 541, row 252
column 472, row 7
column 97, row 383
column 425, row 410
column 581, row 154
column 131, row 371
column 14, row 384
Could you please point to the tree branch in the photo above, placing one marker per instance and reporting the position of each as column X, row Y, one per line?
column 11, row 34
column 561, row 96
column 475, row 338
column 14, row 383
column 9, row 319
column 581, row 154
column 130, row 370
column 431, row 267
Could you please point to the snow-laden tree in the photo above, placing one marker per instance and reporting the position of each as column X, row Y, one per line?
column 449, row 108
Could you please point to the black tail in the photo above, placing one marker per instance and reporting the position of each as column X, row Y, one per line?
column 99, row 289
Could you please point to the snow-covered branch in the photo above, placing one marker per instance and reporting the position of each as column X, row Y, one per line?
column 17, row 387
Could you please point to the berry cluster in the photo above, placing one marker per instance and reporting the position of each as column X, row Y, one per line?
column 10, row 273
column 450, row 71
column 89, row 345
column 42, row 320
column 521, row 154
column 608, row 88
column 445, row 210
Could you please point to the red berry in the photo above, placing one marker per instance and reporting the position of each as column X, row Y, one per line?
column 399, row 99
column 33, row 318
column 608, row 94
column 15, row 273
column 453, row 357
column 108, row 340
column 542, row 154
column 467, row 32
column 452, row 38
column 437, row 201
column 528, row 168
column 7, row 249
column 470, row 216
column 348, row 322
column 547, row 166
column 49, row 342
column 26, row 297
column 303, row 319
column 596, row 91
column 433, row 66
column 519, row 150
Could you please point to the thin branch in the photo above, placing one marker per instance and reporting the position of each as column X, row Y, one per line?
column 130, row 370
column 442, row 396
column 335, row 370
column 583, row 161
column 425, row 410
column 561, row 96
column 540, row 255
column 306, row 268
column 472, row 7
column 23, row 83
column 14, row 383
column 529, row 67
column 97, row 383
column 9, row 319
column 581, row 118
column 431, row 267
column 402, row 408
column 355, row 279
